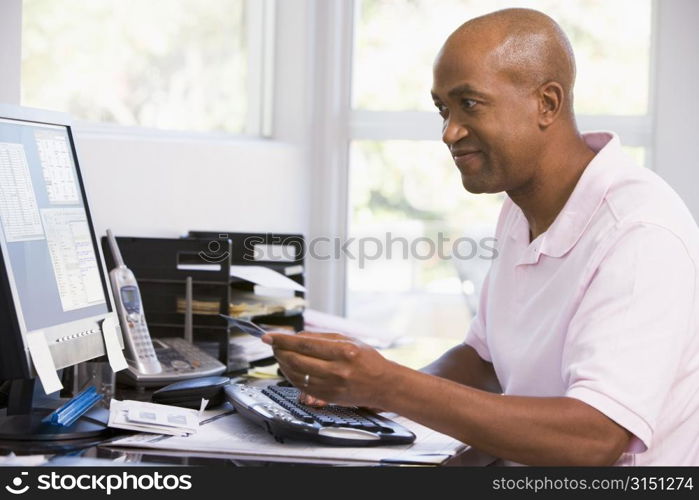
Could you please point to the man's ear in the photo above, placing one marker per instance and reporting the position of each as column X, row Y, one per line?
column 551, row 101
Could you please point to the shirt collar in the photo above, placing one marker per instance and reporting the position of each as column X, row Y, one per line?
column 583, row 203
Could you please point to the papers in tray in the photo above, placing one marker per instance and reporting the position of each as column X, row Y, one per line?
column 226, row 434
column 265, row 277
column 154, row 418
column 246, row 304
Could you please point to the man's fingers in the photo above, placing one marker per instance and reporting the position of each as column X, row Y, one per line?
column 315, row 382
column 296, row 366
column 316, row 346
column 309, row 400
column 324, row 335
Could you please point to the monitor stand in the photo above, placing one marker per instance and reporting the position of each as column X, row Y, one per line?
column 23, row 422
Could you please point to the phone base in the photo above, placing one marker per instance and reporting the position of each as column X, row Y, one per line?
column 179, row 359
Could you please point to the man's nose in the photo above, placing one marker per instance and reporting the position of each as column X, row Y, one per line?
column 453, row 131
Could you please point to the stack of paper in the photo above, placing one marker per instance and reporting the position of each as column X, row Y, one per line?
column 199, row 306
column 252, row 304
column 250, row 348
column 154, row 418
column 242, row 350
column 246, row 304
column 223, row 434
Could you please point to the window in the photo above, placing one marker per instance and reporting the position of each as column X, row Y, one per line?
column 398, row 39
column 402, row 179
column 167, row 64
column 433, row 236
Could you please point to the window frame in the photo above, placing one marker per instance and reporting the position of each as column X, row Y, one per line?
column 635, row 130
column 11, row 50
column 260, row 19
column 330, row 215
column 425, row 125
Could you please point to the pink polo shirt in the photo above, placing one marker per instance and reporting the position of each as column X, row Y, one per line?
column 603, row 307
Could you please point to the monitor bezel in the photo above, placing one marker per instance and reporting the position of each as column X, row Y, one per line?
column 66, row 351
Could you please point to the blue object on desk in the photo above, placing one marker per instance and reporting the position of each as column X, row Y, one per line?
column 67, row 414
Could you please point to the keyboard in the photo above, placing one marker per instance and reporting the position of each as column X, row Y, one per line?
column 277, row 409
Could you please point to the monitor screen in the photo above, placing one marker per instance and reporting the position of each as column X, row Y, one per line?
column 45, row 234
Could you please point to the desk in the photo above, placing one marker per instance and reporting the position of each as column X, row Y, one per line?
column 249, row 453
column 412, row 355
column 248, row 440
column 468, row 458
column 223, row 433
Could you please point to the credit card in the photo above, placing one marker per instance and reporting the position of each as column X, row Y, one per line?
column 246, row 326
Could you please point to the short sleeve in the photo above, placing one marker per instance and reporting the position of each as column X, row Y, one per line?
column 625, row 341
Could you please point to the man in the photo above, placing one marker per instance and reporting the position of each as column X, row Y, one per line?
column 585, row 349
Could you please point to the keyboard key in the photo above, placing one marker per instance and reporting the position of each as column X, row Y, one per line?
column 328, row 416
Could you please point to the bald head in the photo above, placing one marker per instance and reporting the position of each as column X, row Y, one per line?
column 503, row 85
column 525, row 45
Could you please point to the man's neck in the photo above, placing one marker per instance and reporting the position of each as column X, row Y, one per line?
column 542, row 199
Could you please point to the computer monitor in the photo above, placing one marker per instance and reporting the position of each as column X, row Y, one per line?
column 51, row 276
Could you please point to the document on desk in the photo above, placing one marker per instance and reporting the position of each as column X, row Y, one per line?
column 226, row 434
column 154, row 418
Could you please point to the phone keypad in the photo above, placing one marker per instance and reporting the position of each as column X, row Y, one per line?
column 142, row 341
column 183, row 356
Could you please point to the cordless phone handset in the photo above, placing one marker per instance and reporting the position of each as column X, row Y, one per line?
column 130, row 309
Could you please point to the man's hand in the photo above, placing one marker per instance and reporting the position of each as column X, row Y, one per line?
column 341, row 370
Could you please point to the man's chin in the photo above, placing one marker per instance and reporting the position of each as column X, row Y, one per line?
column 474, row 185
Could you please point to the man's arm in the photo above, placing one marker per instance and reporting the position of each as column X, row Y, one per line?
column 528, row 430
column 463, row 365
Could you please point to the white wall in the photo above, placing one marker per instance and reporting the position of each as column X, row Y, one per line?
column 174, row 184
column 162, row 188
column 676, row 151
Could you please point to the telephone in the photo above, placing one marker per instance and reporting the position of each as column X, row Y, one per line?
column 172, row 359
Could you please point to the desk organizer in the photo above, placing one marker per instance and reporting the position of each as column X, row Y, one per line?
column 162, row 265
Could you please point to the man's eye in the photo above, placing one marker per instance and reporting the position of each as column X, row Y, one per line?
column 469, row 103
column 442, row 110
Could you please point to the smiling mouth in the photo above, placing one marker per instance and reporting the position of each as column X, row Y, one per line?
column 464, row 155
column 462, row 158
